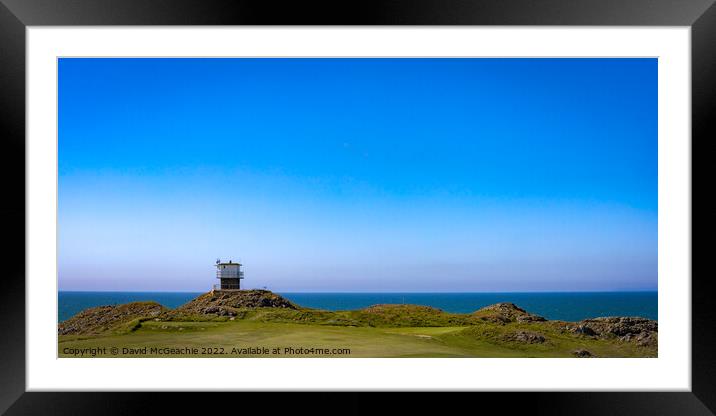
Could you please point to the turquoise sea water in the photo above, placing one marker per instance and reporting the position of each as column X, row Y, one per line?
column 566, row 306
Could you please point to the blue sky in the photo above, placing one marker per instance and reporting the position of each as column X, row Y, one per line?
column 359, row 174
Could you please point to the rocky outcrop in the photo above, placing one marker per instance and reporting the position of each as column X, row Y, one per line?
column 621, row 326
column 641, row 331
column 225, row 303
column 506, row 312
column 582, row 353
column 104, row 318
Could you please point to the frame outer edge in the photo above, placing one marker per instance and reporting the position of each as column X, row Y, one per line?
column 12, row 101
column 703, row 107
column 363, row 12
column 12, row 210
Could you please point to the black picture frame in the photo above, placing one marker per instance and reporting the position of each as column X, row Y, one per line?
column 16, row 15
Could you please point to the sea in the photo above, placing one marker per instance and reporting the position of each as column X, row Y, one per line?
column 565, row 306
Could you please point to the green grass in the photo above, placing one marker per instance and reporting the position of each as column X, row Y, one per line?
column 377, row 316
column 365, row 336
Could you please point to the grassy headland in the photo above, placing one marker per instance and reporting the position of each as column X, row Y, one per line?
column 261, row 323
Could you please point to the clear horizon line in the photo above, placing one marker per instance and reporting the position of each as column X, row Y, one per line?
column 369, row 292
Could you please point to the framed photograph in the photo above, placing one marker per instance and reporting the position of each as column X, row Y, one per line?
column 475, row 197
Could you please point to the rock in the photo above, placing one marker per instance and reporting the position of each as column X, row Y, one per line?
column 581, row 353
column 646, row 339
column 627, row 329
column 530, row 318
column 506, row 312
column 525, row 337
column 583, row 330
column 225, row 303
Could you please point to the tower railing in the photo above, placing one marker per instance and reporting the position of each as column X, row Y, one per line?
column 226, row 287
column 224, row 274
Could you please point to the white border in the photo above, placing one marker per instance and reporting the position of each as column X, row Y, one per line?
column 671, row 371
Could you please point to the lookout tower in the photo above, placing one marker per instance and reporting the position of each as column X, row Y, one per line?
column 229, row 274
